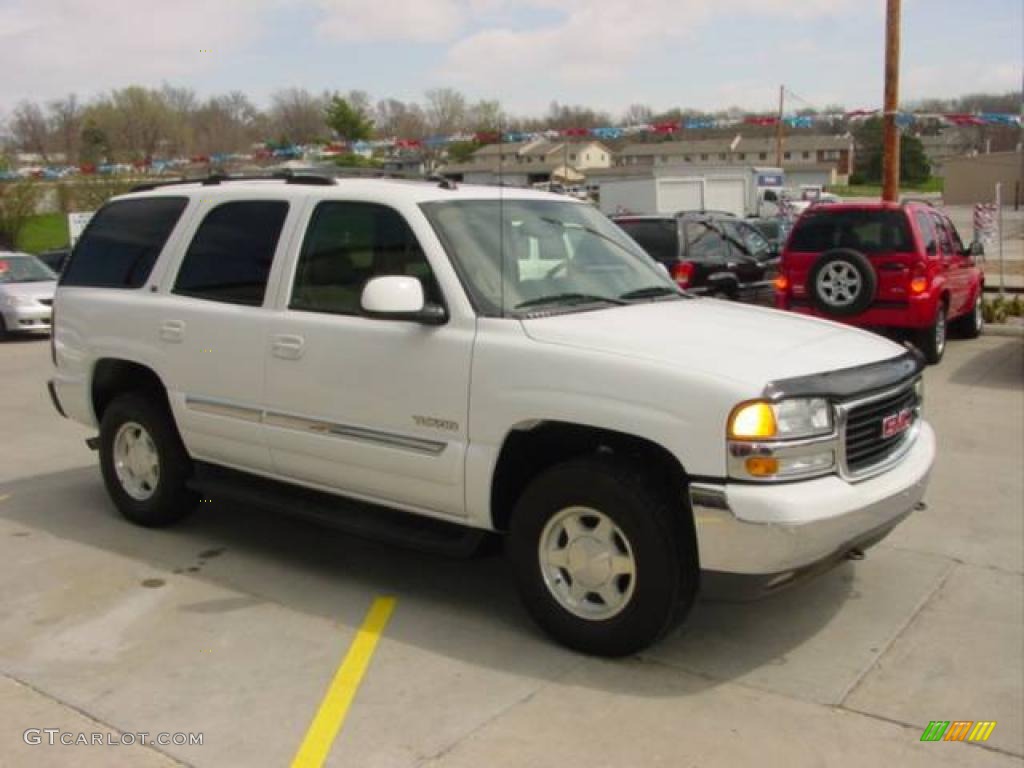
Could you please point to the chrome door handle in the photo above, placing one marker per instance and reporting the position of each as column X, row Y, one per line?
column 287, row 347
column 172, row 331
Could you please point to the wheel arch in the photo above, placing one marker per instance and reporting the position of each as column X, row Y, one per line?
column 531, row 447
column 114, row 376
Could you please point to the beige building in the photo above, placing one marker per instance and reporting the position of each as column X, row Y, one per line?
column 822, row 160
column 972, row 179
column 531, row 162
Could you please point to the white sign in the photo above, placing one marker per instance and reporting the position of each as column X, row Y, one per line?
column 76, row 225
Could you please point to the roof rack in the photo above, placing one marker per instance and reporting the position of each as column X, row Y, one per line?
column 304, row 178
column 922, row 200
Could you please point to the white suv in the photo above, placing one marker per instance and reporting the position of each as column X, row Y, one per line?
column 479, row 359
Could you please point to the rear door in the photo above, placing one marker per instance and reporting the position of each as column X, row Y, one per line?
column 956, row 266
column 752, row 256
column 212, row 329
column 707, row 248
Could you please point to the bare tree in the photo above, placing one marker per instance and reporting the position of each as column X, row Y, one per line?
column 29, row 130
column 297, row 115
column 66, row 125
column 446, row 110
column 637, row 114
column 486, row 115
column 396, row 119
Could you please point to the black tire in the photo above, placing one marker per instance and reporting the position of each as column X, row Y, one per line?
column 932, row 340
column 660, row 539
column 970, row 326
column 3, row 329
column 844, row 301
column 169, row 499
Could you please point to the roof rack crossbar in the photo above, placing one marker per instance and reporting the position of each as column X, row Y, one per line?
column 305, row 178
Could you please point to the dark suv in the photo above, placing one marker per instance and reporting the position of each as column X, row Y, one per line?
column 711, row 253
column 884, row 265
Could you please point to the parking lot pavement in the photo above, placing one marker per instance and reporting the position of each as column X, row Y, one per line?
column 233, row 625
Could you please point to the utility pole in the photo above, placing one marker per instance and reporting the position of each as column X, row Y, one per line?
column 778, row 127
column 891, row 134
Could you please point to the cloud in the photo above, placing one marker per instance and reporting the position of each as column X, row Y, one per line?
column 51, row 47
column 588, row 41
column 390, row 20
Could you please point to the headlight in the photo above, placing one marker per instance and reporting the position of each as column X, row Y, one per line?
column 10, row 300
column 784, row 420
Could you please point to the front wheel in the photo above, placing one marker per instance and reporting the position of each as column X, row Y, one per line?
column 604, row 561
column 144, row 463
column 932, row 340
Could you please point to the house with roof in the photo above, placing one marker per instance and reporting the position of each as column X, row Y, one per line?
column 806, row 159
column 532, row 162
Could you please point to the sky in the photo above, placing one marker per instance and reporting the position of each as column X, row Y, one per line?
column 605, row 54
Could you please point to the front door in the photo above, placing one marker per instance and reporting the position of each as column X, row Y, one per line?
column 373, row 408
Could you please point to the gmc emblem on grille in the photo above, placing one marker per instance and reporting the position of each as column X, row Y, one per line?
column 897, row 422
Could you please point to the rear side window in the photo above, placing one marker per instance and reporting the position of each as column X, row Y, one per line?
column 924, row 223
column 704, row 242
column 656, row 236
column 868, row 231
column 230, row 256
column 122, row 242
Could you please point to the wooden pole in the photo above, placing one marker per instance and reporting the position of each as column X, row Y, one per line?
column 778, row 128
column 891, row 134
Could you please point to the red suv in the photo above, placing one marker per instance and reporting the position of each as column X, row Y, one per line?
column 886, row 266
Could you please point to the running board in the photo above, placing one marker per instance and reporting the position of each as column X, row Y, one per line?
column 359, row 518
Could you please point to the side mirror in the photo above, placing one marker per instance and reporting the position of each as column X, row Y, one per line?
column 400, row 297
column 977, row 248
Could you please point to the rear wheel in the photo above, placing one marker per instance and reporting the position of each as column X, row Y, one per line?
column 842, row 283
column 970, row 325
column 603, row 561
column 144, row 463
column 932, row 340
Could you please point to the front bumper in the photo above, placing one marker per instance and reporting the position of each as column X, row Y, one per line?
column 776, row 530
column 27, row 318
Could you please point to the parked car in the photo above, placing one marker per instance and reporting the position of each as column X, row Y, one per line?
column 56, row 259
column 389, row 357
column 26, row 294
column 711, row 253
column 884, row 265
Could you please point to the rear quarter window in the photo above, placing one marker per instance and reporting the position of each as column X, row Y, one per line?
column 656, row 236
column 122, row 242
column 866, row 231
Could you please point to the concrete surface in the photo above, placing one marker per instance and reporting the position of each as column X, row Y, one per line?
column 233, row 624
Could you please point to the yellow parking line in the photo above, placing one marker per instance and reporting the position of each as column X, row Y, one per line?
column 331, row 715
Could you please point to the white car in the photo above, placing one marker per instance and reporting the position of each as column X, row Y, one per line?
column 27, row 287
column 436, row 363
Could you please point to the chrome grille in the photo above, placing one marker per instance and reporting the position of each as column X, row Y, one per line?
column 864, row 446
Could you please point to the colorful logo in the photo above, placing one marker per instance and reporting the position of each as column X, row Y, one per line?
column 958, row 730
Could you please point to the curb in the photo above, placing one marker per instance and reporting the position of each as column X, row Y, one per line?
column 1002, row 329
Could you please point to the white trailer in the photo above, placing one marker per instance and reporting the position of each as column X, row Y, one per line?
column 743, row 191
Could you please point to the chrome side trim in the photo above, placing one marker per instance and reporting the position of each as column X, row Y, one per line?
column 318, row 427
column 313, row 426
column 222, row 408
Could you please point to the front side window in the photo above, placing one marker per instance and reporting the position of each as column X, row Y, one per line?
column 229, row 258
column 122, row 242
column 659, row 237
column 346, row 245
column 515, row 256
column 747, row 240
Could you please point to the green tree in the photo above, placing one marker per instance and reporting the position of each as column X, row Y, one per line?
column 94, row 144
column 914, row 165
column 18, row 203
column 462, row 151
column 349, row 121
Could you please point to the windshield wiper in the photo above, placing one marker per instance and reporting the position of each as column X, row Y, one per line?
column 650, row 292
column 575, row 298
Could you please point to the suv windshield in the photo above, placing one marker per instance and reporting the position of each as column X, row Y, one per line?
column 516, row 256
column 24, row 269
column 867, row 231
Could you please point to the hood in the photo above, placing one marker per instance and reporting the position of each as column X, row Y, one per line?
column 719, row 339
column 41, row 290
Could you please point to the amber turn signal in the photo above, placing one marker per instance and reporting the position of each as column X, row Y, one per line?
column 781, row 283
column 762, row 466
